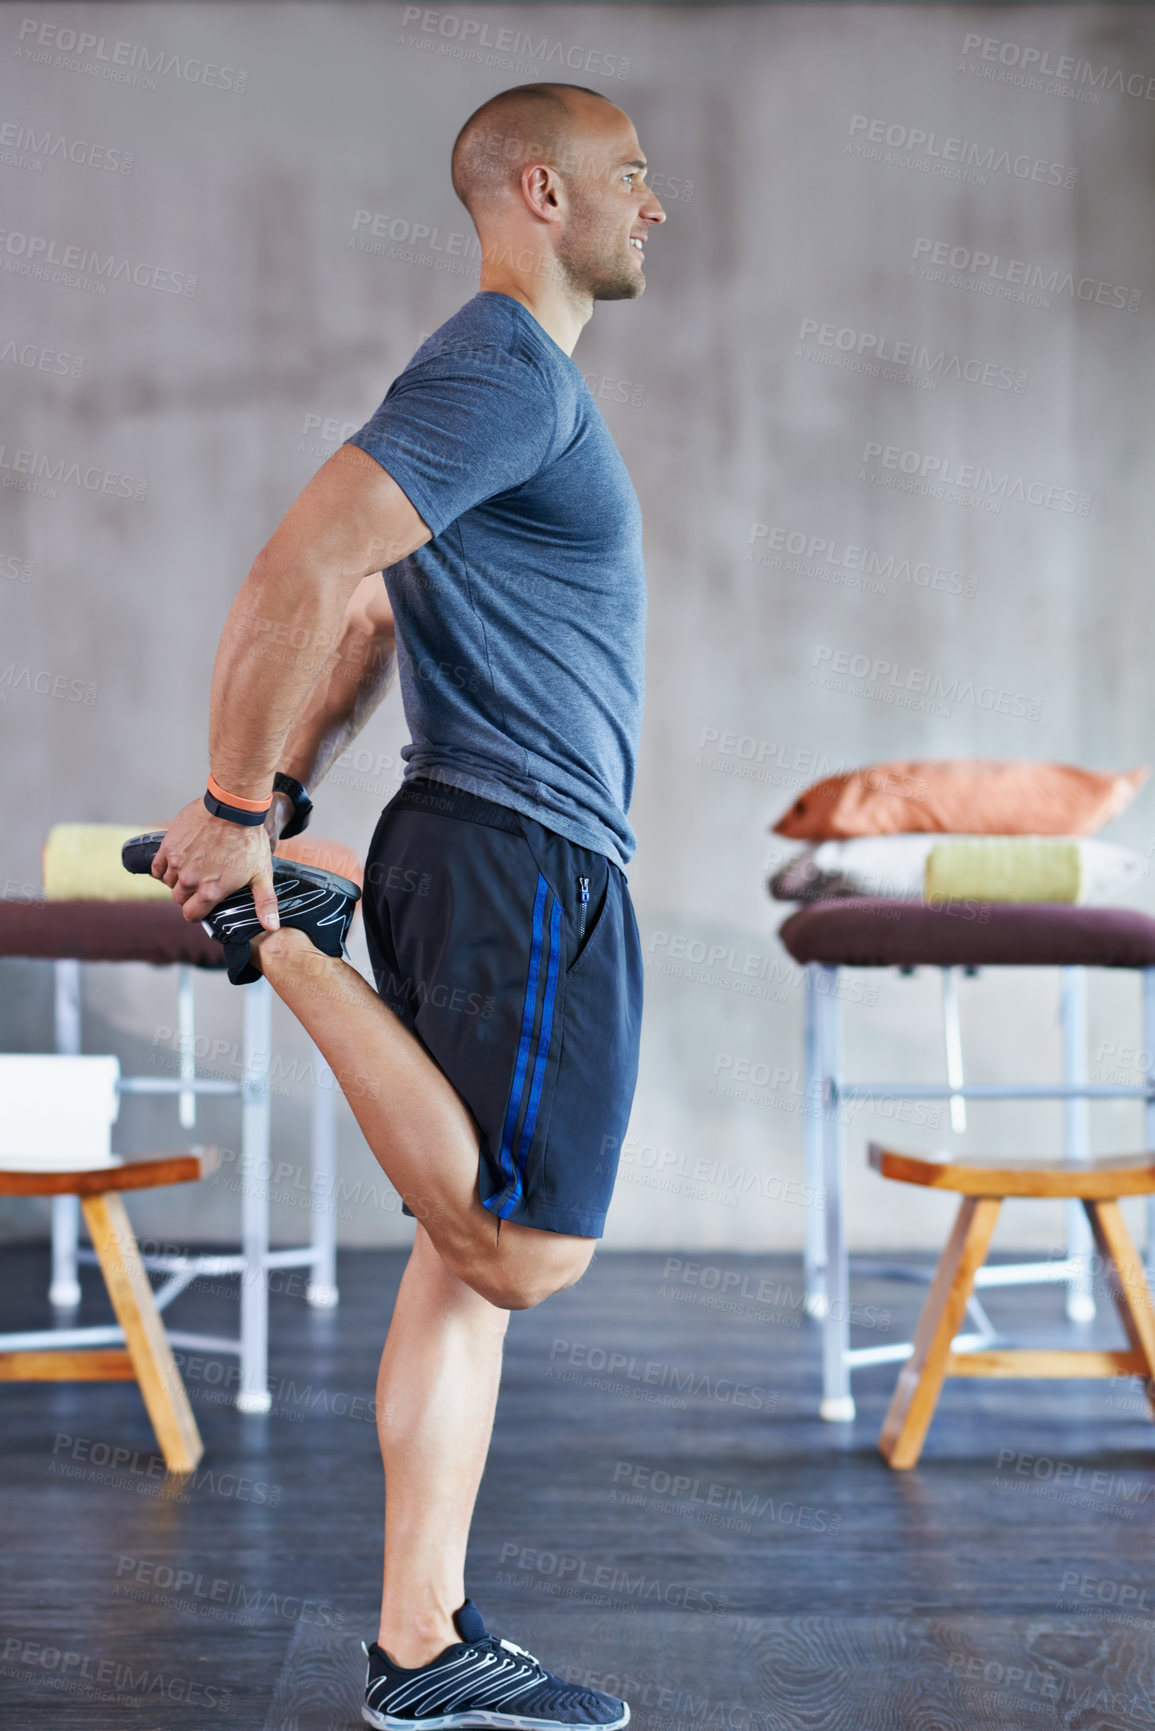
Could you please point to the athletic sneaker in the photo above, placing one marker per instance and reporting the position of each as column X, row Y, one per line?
column 481, row 1681
column 312, row 900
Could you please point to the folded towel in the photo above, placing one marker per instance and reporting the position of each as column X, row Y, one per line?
column 58, row 1111
column 987, row 868
column 81, row 862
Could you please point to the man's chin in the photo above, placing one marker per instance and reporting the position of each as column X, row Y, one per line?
column 621, row 288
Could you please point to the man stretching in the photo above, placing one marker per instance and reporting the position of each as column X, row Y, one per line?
column 493, row 1069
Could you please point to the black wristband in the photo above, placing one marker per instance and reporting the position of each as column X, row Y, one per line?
column 302, row 804
column 233, row 813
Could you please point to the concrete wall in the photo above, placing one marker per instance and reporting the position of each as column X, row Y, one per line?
column 251, row 330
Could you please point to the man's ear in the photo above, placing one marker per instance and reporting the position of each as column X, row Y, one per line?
column 541, row 186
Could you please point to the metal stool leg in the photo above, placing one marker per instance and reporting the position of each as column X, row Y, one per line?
column 952, row 1036
column 837, row 1403
column 253, row 1394
column 186, row 1046
column 322, row 1288
column 814, row 1249
column 1077, row 1136
column 64, row 1290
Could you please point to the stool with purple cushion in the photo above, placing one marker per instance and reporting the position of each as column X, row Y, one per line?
column 823, row 938
column 70, row 933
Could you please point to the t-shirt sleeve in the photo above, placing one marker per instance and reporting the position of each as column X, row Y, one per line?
column 453, row 432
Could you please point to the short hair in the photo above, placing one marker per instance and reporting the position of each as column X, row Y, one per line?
column 526, row 124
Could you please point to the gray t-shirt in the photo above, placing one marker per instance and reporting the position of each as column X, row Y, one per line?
column 521, row 624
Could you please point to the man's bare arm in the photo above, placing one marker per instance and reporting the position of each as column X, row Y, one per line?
column 348, row 689
column 352, row 520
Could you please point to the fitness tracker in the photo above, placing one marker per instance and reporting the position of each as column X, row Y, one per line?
column 249, row 813
column 302, row 804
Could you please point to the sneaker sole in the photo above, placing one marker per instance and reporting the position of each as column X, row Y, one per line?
column 138, row 854
column 466, row 1722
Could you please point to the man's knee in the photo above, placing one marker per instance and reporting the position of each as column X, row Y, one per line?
column 530, row 1275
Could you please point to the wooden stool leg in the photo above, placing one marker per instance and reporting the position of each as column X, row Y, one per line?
column 144, row 1336
column 1128, row 1282
column 917, row 1390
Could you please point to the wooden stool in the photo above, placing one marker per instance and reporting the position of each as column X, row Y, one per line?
column 1098, row 1185
column 146, row 1356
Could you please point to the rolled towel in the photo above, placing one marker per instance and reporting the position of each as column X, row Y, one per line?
column 81, row 862
column 1025, row 868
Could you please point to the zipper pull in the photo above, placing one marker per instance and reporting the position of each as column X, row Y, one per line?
column 583, row 898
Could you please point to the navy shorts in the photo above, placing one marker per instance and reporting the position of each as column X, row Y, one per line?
column 514, row 957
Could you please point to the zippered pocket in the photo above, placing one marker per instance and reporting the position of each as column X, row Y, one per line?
column 583, row 885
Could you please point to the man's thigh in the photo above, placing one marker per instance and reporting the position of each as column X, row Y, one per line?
column 513, row 955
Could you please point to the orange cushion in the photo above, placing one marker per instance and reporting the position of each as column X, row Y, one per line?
column 960, row 796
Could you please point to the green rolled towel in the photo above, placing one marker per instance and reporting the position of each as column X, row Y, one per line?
column 1005, row 868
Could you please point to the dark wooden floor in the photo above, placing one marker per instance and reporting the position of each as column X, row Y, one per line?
column 663, row 1514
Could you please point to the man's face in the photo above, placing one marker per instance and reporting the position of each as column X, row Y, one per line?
column 610, row 209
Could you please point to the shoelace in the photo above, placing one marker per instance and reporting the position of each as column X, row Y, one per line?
column 512, row 1647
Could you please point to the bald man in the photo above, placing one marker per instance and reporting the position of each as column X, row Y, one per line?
column 493, row 1069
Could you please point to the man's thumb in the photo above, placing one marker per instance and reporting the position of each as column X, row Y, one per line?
column 265, row 897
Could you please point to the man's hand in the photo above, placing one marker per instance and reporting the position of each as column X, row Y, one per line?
column 203, row 859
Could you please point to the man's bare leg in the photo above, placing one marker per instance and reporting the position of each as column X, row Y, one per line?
column 436, row 1396
column 417, row 1125
column 440, row 1370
